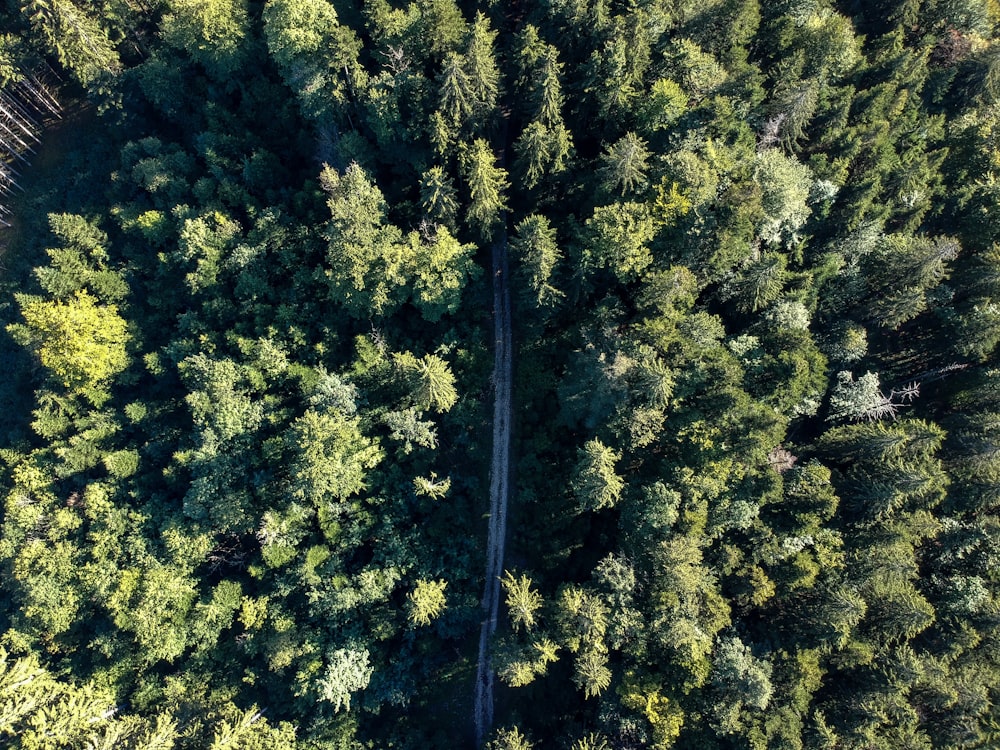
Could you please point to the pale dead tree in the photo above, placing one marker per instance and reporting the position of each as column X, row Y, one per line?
column 863, row 399
column 40, row 96
column 888, row 406
column 9, row 173
column 7, row 178
column 942, row 372
column 770, row 134
column 10, row 133
column 19, row 109
column 907, row 394
column 396, row 61
column 19, row 129
column 12, row 151
column 378, row 340
column 428, row 229
column 48, row 79
column 12, row 113
column 780, row 459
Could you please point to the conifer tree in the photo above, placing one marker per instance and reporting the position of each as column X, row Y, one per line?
column 596, row 484
column 76, row 36
column 488, row 186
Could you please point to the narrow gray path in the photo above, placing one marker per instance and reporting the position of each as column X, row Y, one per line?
column 499, row 489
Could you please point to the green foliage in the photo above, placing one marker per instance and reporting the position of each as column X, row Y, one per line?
column 373, row 268
column 406, row 427
column 700, row 72
column 216, row 400
column 347, row 672
column 442, row 266
column 365, row 258
column 432, row 487
column 455, row 90
column 77, row 37
column 785, row 186
column 665, row 103
column 426, row 602
column 438, row 196
column 203, row 242
column 332, row 456
column 590, row 742
column 509, row 739
column 590, row 671
column 266, row 531
column 523, row 602
column 534, row 244
column 595, row 483
column 739, row 676
column 488, row 185
column 760, row 283
column 80, row 263
column 518, row 667
column 625, row 164
column 81, row 342
column 618, row 236
column 312, row 51
column 542, row 151
column 212, row 32
column 433, row 384
column 247, row 729
column 481, row 68
column 37, row 710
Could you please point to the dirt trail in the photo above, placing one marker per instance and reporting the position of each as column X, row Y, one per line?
column 499, row 487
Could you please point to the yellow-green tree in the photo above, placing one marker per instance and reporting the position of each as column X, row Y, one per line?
column 426, row 602
column 595, row 482
column 81, row 342
column 431, row 379
column 523, row 602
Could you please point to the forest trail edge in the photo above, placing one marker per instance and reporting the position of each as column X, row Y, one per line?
column 499, row 486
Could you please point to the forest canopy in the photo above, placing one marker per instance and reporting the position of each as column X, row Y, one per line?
column 279, row 276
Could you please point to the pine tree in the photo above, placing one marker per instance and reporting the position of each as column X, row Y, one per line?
column 316, row 56
column 427, row 602
column 78, row 39
column 618, row 237
column 438, row 197
column 456, row 95
column 625, row 164
column 347, row 671
column 509, row 739
column 595, row 483
column 433, row 384
column 332, row 456
column 534, row 244
column 488, row 185
column 481, row 69
column 367, row 258
column 523, row 602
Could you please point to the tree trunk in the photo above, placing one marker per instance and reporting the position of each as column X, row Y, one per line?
column 13, row 136
column 17, row 106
